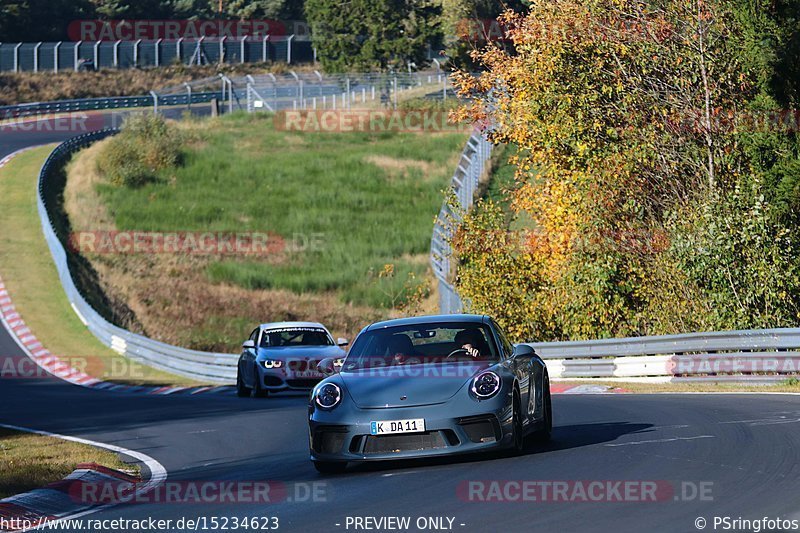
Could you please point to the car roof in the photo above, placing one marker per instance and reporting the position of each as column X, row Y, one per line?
column 430, row 319
column 283, row 325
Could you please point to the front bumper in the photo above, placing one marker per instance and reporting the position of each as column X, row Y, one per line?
column 276, row 380
column 480, row 427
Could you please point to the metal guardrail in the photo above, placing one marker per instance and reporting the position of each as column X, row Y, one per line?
column 101, row 104
column 464, row 183
column 767, row 355
column 202, row 366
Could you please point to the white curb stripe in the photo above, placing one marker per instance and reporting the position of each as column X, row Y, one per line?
column 158, row 474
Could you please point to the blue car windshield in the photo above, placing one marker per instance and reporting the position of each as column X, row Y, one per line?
column 295, row 337
column 422, row 344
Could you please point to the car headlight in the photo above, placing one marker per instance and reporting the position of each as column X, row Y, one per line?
column 485, row 385
column 328, row 396
column 270, row 363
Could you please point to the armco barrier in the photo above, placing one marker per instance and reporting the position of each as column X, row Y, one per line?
column 739, row 356
column 766, row 355
column 202, row 366
column 99, row 104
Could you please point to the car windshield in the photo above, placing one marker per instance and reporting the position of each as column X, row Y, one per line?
column 295, row 337
column 422, row 344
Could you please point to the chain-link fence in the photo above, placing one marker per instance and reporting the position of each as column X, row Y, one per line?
column 312, row 90
column 85, row 55
column 473, row 163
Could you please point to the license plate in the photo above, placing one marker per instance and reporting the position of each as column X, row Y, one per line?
column 388, row 427
column 308, row 374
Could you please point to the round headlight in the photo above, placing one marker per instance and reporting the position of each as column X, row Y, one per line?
column 486, row 385
column 328, row 396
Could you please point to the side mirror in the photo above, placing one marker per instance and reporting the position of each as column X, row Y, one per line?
column 249, row 344
column 326, row 367
column 342, row 341
column 523, row 349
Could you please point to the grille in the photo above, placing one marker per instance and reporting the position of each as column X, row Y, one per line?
column 329, row 439
column 272, row 381
column 483, row 430
column 430, row 440
column 303, row 383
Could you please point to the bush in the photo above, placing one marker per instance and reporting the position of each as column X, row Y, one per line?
column 146, row 146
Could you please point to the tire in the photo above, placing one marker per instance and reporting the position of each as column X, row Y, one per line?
column 543, row 434
column 330, row 467
column 258, row 390
column 517, row 430
column 241, row 390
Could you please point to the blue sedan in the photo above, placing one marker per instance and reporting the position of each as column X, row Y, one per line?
column 283, row 356
column 428, row 386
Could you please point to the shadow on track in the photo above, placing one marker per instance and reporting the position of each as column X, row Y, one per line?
column 564, row 438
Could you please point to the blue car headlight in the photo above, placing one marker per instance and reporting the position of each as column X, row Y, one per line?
column 270, row 363
column 328, row 396
column 485, row 385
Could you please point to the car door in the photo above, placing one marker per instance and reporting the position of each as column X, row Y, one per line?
column 248, row 358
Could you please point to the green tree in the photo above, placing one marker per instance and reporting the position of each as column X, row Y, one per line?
column 373, row 34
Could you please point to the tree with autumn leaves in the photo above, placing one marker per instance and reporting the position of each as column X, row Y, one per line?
column 642, row 174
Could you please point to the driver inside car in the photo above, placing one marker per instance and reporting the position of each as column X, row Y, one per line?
column 400, row 348
column 472, row 341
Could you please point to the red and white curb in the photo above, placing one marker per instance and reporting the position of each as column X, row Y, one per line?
column 51, row 363
column 9, row 157
column 57, row 501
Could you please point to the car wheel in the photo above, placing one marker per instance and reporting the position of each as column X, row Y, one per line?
column 330, row 467
column 241, row 390
column 543, row 435
column 258, row 390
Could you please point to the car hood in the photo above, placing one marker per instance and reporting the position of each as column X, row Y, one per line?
column 300, row 352
column 418, row 384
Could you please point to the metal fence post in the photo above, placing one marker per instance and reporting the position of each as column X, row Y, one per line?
column 97, row 54
column 264, row 48
column 157, row 52
column 189, row 100
column 76, row 55
column 198, row 51
column 179, row 50
column 347, row 86
column 136, row 53
column 116, row 54
column 289, row 49
column 155, row 102
column 16, row 57
column 36, row 56
column 222, row 49
column 55, row 56
column 241, row 48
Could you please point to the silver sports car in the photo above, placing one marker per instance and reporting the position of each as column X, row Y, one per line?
column 427, row 386
column 284, row 356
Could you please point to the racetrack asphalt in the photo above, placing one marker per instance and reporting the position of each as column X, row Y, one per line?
column 742, row 451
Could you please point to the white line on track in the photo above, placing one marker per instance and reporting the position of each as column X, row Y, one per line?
column 656, row 441
column 158, row 474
